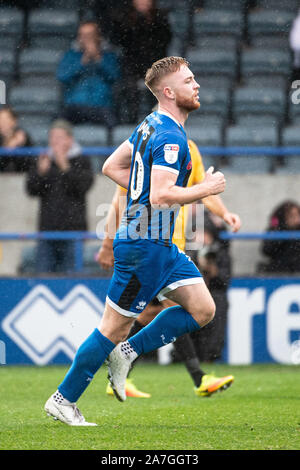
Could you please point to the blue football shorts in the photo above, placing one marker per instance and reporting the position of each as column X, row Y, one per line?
column 143, row 270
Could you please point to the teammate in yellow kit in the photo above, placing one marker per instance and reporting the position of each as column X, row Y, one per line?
column 204, row 384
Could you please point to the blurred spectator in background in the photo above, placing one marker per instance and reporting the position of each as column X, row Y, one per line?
column 11, row 137
column 284, row 255
column 88, row 73
column 143, row 33
column 61, row 179
column 214, row 261
column 295, row 46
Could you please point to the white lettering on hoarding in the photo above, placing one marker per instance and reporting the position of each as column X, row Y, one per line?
column 280, row 322
column 243, row 305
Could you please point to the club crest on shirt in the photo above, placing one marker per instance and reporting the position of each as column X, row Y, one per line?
column 171, row 153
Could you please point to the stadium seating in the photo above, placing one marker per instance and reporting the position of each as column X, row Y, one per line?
column 9, row 43
column 269, row 22
column 215, row 22
column 214, row 100
column 179, row 22
column 243, row 135
column 121, row 133
column 290, row 137
column 215, row 81
column 47, row 81
column 146, row 102
column 51, row 22
column 33, row 120
column 36, row 126
column 244, row 164
column 7, row 65
column 270, row 42
column 294, row 105
column 266, row 81
column 287, row 5
column 58, row 43
column 254, row 120
column 38, row 62
column 90, row 135
column 216, row 42
column 203, row 120
column 176, row 47
column 210, row 133
column 32, row 100
column 227, row 5
column 204, row 135
column 258, row 61
column 208, row 62
column 251, row 100
column 165, row 4
column 251, row 136
column 38, row 134
column 67, row 4
column 11, row 23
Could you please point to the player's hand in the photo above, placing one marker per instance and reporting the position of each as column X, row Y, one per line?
column 215, row 181
column 105, row 257
column 233, row 220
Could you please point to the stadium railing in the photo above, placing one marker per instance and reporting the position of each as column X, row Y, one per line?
column 80, row 237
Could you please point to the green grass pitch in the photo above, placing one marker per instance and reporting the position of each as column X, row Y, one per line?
column 260, row 411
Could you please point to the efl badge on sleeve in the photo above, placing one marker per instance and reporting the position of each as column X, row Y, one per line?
column 171, row 153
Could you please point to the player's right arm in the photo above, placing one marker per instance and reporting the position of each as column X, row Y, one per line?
column 164, row 191
column 169, row 153
column 117, row 166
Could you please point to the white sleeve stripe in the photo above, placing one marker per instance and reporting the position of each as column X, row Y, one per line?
column 165, row 168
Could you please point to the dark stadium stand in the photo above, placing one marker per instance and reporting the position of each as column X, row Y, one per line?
column 229, row 5
column 31, row 100
column 52, row 22
column 240, row 56
column 218, row 22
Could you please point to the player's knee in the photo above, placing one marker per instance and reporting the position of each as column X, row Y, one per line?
column 205, row 314
column 115, row 335
column 211, row 312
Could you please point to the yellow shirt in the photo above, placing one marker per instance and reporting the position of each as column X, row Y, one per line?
column 196, row 176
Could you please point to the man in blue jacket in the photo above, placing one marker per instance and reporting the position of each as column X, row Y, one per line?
column 88, row 73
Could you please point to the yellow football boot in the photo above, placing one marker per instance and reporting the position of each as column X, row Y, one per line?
column 211, row 384
column 130, row 389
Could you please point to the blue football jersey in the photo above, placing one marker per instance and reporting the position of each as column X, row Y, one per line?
column 158, row 142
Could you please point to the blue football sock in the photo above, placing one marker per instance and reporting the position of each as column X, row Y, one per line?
column 89, row 357
column 169, row 324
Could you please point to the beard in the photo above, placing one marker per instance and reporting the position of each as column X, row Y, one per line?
column 187, row 104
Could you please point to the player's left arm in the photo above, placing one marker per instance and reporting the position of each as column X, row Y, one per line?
column 117, row 166
column 215, row 205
